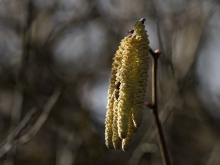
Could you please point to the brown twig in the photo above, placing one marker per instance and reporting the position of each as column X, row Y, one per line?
column 153, row 107
column 150, row 134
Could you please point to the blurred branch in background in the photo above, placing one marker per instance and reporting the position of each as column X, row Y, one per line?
column 66, row 154
column 20, row 80
column 71, row 43
column 8, row 144
column 12, row 140
column 43, row 117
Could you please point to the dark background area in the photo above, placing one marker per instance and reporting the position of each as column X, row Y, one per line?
column 70, row 44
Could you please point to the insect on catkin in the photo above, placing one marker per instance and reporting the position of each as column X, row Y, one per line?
column 127, row 88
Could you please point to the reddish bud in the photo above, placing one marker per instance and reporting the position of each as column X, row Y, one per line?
column 131, row 31
column 149, row 105
column 158, row 51
column 142, row 20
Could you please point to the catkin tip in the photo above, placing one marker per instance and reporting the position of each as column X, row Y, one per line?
column 122, row 135
column 109, row 146
column 117, row 144
column 125, row 148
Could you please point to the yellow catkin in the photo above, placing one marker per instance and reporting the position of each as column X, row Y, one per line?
column 115, row 66
column 127, row 141
column 141, row 72
column 109, row 114
column 108, row 124
column 126, row 87
column 115, row 138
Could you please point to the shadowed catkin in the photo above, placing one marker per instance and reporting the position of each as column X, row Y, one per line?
column 127, row 141
column 127, row 88
column 108, row 124
column 115, row 138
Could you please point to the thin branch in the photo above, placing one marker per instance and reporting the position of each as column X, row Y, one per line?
column 154, row 110
column 43, row 117
column 22, row 125
column 12, row 139
column 8, row 143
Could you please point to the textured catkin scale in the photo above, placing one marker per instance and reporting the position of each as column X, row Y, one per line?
column 115, row 138
column 126, row 88
column 127, row 141
column 141, row 72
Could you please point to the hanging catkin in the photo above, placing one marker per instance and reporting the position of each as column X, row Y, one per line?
column 127, row 88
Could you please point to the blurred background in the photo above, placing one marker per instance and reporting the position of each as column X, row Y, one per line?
column 70, row 44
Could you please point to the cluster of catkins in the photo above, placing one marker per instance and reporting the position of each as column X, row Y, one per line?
column 127, row 88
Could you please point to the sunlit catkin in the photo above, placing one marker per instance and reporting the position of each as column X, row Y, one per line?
column 109, row 114
column 127, row 88
column 141, row 75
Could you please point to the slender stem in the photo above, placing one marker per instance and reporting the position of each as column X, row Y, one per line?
column 154, row 110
